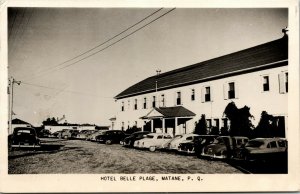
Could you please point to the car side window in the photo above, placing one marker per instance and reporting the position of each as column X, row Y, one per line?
column 281, row 143
column 189, row 138
column 239, row 142
column 159, row 137
column 272, row 144
column 167, row 137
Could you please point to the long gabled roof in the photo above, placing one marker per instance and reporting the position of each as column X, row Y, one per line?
column 271, row 54
column 19, row 122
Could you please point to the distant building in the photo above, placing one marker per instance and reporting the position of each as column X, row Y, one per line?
column 59, row 127
column 173, row 101
column 18, row 123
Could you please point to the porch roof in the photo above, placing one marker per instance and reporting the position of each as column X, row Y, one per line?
column 169, row 112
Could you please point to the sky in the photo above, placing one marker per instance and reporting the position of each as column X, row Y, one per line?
column 40, row 40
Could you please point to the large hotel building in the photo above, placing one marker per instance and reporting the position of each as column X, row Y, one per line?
column 173, row 101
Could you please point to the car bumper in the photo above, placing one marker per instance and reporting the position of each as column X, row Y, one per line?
column 25, row 146
column 213, row 156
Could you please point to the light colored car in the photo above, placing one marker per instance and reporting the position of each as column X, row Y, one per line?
column 83, row 134
column 263, row 149
column 92, row 137
column 174, row 143
column 153, row 141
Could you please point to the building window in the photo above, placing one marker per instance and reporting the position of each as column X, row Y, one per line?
column 145, row 103
column 123, row 126
column 122, row 107
column 135, row 104
column 286, row 82
column 153, row 101
column 225, row 123
column 231, row 91
column 207, row 94
column 217, row 123
column 135, row 123
column 208, row 123
column 163, row 100
column 266, row 83
column 178, row 98
column 128, row 104
column 283, row 83
column 193, row 95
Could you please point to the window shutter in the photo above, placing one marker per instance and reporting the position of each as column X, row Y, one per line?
column 203, row 94
column 225, row 91
column 236, row 89
column 281, row 83
column 211, row 93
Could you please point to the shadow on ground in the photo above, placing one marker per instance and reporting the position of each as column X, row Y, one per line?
column 45, row 148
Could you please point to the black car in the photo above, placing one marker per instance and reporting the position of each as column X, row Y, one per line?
column 111, row 136
column 196, row 146
column 23, row 137
column 129, row 141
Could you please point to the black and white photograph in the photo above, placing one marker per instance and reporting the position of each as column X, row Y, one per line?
column 150, row 93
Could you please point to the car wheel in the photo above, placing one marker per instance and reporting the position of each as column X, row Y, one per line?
column 190, row 150
column 108, row 142
column 152, row 148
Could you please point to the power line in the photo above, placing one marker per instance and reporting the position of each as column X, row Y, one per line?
column 69, row 91
column 101, row 44
column 117, row 40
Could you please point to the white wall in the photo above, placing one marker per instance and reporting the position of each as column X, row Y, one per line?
column 53, row 129
column 249, row 90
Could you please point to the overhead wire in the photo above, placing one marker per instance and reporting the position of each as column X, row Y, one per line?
column 59, row 89
column 101, row 44
column 73, row 63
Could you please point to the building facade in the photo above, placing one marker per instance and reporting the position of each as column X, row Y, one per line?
column 173, row 101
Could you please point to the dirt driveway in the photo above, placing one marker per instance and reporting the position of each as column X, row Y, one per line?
column 76, row 156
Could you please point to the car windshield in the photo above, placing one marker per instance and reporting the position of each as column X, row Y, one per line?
column 254, row 143
column 149, row 136
column 219, row 140
column 23, row 131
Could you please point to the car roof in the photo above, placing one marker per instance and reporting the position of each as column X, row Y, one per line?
column 156, row 134
column 23, row 128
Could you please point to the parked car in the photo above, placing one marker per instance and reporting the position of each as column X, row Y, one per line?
column 111, row 136
column 223, row 147
column 68, row 133
column 44, row 133
column 92, row 136
column 174, row 143
column 263, row 149
column 84, row 133
column 196, row 145
column 152, row 141
column 56, row 134
column 23, row 137
column 129, row 141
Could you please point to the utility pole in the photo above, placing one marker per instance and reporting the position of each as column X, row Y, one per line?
column 12, row 81
column 157, row 74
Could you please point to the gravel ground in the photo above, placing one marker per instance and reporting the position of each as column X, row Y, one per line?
column 84, row 157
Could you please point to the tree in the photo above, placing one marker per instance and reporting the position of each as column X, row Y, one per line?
column 214, row 131
column 267, row 126
column 201, row 127
column 240, row 120
column 50, row 121
column 132, row 130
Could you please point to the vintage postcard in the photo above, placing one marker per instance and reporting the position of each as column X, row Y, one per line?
column 143, row 96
